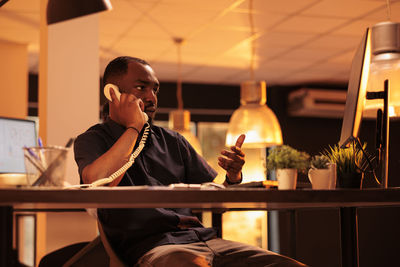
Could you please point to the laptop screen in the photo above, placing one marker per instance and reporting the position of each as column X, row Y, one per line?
column 14, row 135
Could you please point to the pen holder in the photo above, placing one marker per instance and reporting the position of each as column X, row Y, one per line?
column 45, row 166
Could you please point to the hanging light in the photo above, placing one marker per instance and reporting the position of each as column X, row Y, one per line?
column 254, row 119
column 179, row 119
column 2, row 2
column 61, row 10
column 385, row 64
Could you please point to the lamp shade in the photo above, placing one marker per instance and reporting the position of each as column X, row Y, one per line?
column 254, row 119
column 61, row 10
column 179, row 121
column 385, row 64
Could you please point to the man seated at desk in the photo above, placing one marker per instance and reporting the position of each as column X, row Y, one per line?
column 160, row 236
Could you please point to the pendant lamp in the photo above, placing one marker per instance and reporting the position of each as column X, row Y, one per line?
column 254, row 119
column 61, row 10
column 179, row 119
column 385, row 65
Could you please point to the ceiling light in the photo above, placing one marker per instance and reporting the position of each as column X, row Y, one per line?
column 254, row 119
column 385, row 65
column 179, row 119
column 61, row 10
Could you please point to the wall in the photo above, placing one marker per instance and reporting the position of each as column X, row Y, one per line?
column 14, row 79
column 68, row 104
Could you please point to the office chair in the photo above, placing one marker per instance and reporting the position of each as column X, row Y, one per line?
column 114, row 259
column 97, row 253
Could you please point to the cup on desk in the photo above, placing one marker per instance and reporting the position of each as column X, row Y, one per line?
column 287, row 179
column 323, row 178
column 45, row 166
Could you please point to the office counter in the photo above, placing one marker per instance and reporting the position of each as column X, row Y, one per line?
column 243, row 198
column 348, row 200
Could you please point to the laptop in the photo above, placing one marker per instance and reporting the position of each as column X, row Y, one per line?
column 14, row 135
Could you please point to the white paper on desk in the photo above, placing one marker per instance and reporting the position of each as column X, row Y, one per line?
column 203, row 186
column 182, row 185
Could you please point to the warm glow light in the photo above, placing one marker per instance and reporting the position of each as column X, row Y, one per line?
column 192, row 139
column 364, row 81
column 249, row 226
column 254, row 169
column 367, row 63
column 254, row 119
column 179, row 121
column 385, row 65
column 392, row 111
column 380, row 71
column 253, row 136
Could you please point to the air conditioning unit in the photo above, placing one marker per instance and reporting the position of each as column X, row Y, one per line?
column 307, row 102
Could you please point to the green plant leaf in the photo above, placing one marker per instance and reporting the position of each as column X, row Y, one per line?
column 286, row 157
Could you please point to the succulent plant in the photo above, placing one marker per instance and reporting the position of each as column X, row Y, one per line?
column 319, row 162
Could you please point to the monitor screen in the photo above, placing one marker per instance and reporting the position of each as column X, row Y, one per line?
column 356, row 91
column 14, row 135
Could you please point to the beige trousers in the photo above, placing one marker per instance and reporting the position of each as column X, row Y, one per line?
column 216, row 252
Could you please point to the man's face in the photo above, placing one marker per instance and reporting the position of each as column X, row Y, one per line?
column 140, row 80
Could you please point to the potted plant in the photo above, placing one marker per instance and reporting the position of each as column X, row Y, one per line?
column 322, row 173
column 349, row 164
column 287, row 161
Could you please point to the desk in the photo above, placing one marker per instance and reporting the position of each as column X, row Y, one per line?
column 47, row 199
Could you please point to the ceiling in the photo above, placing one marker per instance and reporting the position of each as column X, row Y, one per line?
column 296, row 41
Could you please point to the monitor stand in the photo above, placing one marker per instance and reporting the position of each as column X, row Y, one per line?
column 382, row 132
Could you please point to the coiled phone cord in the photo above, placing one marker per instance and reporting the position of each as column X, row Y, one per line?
column 125, row 167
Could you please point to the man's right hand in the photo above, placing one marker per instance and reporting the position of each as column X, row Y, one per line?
column 128, row 111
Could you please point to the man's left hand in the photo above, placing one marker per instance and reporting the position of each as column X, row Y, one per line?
column 233, row 160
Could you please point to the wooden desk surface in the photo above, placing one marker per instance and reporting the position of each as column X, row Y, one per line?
column 152, row 197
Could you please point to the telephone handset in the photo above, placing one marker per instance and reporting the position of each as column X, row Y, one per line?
column 107, row 89
column 135, row 153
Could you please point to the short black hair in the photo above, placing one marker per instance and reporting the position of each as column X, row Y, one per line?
column 119, row 66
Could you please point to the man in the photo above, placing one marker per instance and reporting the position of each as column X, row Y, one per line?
column 157, row 237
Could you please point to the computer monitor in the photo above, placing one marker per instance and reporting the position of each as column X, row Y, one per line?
column 356, row 91
column 14, row 135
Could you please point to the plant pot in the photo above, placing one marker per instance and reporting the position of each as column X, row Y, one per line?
column 323, row 178
column 287, row 178
column 350, row 180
